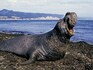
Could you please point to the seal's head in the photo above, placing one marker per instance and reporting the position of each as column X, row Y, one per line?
column 66, row 24
column 70, row 19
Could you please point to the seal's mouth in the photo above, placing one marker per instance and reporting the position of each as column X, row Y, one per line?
column 70, row 29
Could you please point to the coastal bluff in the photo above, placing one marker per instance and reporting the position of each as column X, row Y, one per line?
column 79, row 56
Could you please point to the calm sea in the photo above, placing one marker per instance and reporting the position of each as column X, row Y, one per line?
column 83, row 30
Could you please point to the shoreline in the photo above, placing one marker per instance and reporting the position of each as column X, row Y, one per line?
column 30, row 33
column 16, row 32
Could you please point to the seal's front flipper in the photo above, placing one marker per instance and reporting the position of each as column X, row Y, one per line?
column 54, row 55
column 28, row 62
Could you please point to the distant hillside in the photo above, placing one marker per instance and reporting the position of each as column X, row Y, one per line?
column 10, row 13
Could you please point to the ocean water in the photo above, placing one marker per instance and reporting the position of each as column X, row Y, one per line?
column 83, row 28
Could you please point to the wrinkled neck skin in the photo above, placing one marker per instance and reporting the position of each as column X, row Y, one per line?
column 57, row 35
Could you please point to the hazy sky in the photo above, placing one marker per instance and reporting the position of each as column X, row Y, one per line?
column 83, row 8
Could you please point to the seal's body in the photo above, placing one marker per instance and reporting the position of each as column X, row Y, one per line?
column 44, row 46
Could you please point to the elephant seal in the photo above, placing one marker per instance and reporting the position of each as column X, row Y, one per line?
column 43, row 46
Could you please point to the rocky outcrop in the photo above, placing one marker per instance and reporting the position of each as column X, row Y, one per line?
column 79, row 56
